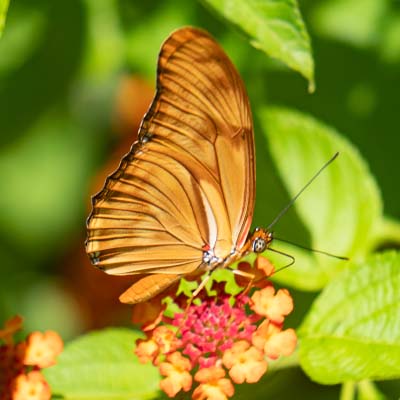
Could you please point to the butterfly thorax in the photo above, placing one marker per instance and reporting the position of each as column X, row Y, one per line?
column 257, row 242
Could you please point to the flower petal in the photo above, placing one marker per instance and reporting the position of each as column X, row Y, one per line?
column 42, row 349
column 245, row 363
column 31, row 386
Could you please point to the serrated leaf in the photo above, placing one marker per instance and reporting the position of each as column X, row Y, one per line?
column 3, row 12
column 342, row 209
column 227, row 277
column 101, row 365
column 275, row 27
column 353, row 329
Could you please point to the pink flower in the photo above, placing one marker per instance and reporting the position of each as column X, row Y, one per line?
column 210, row 328
column 217, row 333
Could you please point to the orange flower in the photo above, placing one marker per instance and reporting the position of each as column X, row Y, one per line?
column 263, row 264
column 177, row 376
column 245, row 363
column 271, row 305
column 165, row 339
column 11, row 326
column 254, row 276
column 20, row 378
column 270, row 338
column 161, row 340
column 282, row 343
column 213, row 385
column 146, row 350
column 42, row 349
column 30, row 386
column 149, row 313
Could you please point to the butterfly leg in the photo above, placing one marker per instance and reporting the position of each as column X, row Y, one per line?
column 247, row 275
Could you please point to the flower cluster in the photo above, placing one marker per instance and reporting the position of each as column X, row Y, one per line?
column 218, row 339
column 20, row 363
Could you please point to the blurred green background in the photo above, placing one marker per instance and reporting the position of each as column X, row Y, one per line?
column 76, row 76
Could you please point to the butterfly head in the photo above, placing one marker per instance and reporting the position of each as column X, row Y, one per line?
column 260, row 240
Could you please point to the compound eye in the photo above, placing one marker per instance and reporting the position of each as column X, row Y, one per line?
column 259, row 245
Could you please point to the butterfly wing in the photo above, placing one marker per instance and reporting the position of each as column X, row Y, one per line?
column 147, row 287
column 188, row 183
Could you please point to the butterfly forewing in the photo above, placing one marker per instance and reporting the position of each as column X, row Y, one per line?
column 188, row 183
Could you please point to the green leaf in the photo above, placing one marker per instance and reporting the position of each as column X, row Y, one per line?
column 390, row 45
column 226, row 276
column 275, row 27
column 358, row 22
column 25, row 29
column 353, row 329
column 101, row 365
column 341, row 210
column 3, row 12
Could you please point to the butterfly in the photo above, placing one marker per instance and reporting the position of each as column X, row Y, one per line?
column 182, row 200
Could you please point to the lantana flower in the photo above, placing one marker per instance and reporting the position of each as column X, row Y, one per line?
column 30, row 386
column 245, row 362
column 42, row 349
column 213, row 384
column 219, row 338
column 176, row 369
column 20, row 363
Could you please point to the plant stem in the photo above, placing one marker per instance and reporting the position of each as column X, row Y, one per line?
column 368, row 391
column 348, row 391
column 387, row 233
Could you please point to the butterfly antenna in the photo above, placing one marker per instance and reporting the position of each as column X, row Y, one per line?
column 285, row 210
column 313, row 250
column 293, row 260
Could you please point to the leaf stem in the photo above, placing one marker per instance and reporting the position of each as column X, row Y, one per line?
column 369, row 391
column 388, row 233
column 348, row 391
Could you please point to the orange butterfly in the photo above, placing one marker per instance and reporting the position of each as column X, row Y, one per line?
column 182, row 200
